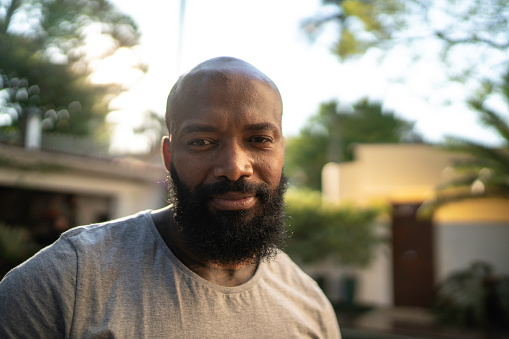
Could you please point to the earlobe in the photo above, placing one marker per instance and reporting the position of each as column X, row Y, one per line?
column 165, row 149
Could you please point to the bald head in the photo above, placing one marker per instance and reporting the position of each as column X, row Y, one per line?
column 219, row 76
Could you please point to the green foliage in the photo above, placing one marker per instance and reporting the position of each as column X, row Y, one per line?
column 347, row 44
column 485, row 173
column 70, row 104
column 474, row 297
column 51, row 53
column 471, row 33
column 368, row 123
column 345, row 234
column 15, row 247
column 362, row 24
column 304, row 158
column 330, row 135
column 62, row 26
column 365, row 11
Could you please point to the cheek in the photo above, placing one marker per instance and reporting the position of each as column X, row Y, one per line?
column 192, row 172
column 270, row 170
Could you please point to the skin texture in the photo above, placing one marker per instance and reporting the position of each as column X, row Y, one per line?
column 224, row 119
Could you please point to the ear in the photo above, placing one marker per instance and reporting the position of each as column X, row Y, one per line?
column 165, row 149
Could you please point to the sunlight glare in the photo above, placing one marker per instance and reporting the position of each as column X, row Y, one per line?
column 119, row 68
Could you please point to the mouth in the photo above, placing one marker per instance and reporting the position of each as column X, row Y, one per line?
column 233, row 201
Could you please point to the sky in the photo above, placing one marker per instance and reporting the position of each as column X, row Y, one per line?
column 267, row 34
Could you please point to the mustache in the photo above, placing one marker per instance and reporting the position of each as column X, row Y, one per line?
column 204, row 191
column 227, row 186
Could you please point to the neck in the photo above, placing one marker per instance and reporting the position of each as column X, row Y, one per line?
column 221, row 274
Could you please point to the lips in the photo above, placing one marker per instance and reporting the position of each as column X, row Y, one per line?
column 233, row 201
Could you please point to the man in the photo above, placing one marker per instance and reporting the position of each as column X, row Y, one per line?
column 207, row 266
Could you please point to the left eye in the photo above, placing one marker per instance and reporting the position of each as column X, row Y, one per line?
column 259, row 139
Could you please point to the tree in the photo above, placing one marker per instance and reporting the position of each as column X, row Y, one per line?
column 55, row 53
column 485, row 173
column 472, row 35
column 304, row 158
column 67, row 103
column 359, row 22
column 329, row 136
column 346, row 235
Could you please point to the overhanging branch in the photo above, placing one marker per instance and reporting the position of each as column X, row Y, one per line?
column 473, row 39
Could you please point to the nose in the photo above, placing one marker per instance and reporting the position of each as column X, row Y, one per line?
column 233, row 163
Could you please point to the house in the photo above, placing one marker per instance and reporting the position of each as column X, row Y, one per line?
column 47, row 192
column 422, row 252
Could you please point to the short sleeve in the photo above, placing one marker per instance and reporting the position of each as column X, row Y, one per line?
column 37, row 297
column 330, row 324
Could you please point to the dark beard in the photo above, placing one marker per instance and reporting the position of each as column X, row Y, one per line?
column 229, row 237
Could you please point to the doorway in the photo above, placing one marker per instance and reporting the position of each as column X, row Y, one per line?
column 412, row 251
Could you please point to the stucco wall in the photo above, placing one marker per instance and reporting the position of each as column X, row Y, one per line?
column 460, row 244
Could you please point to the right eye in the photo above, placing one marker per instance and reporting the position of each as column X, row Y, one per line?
column 199, row 142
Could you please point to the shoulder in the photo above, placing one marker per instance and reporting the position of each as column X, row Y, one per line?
column 62, row 256
column 104, row 246
column 103, row 231
column 41, row 292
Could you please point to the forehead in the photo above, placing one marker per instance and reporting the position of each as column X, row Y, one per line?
column 227, row 99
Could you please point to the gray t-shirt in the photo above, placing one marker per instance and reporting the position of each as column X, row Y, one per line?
column 120, row 280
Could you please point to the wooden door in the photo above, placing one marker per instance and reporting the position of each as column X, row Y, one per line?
column 412, row 250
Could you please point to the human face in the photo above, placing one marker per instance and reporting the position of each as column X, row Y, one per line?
column 227, row 129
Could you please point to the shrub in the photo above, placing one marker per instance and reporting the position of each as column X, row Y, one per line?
column 15, row 247
column 345, row 234
column 474, row 297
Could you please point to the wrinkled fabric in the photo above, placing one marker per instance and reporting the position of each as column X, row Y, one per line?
column 120, row 280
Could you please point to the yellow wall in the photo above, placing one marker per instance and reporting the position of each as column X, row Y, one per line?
column 474, row 210
column 395, row 173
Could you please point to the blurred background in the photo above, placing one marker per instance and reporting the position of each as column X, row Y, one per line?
column 396, row 118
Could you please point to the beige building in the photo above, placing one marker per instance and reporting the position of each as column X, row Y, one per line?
column 422, row 252
column 47, row 192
